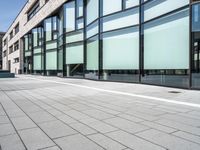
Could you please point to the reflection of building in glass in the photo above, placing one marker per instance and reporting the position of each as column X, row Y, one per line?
column 116, row 40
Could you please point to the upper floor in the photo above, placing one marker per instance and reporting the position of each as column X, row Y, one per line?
column 33, row 12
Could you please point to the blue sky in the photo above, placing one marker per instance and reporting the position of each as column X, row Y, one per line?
column 9, row 9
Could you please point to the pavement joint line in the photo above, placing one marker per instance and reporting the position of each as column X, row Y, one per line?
column 28, row 115
column 16, row 132
column 125, row 93
column 117, row 129
column 53, row 139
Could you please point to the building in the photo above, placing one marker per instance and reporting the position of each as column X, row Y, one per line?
column 142, row 41
column 1, row 39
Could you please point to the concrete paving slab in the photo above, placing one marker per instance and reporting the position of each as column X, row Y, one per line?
column 126, row 125
column 91, row 115
column 106, row 142
column 82, row 128
column 77, row 142
column 168, row 141
column 6, row 129
column 23, row 123
column 41, row 116
column 35, row 139
column 133, row 142
column 11, row 142
column 56, row 129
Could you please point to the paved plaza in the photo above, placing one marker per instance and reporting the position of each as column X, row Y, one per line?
column 51, row 113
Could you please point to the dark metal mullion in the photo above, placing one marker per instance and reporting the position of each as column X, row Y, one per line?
column 44, row 51
column 64, row 40
column 123, row 5
column 198, row 57
column 141, row 58
column 24, row 59
column 100, row 40
column 190, row 45
column 58, row 48
column 84, row 36
column 52, row 31
column 76, row 15
column 32, row 61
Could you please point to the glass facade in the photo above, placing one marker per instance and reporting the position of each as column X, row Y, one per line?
column 195, row 46
column 143, row 41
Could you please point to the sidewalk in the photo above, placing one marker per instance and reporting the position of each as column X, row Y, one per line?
column 50, row 113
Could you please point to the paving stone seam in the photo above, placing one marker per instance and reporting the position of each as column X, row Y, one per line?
column 13, row 124
column 70, row 127
column 36, row 125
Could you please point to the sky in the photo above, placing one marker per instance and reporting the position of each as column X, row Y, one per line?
column 9, row 9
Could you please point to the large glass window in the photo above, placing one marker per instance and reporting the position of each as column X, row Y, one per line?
column 74, row 54
column 51, row 30
column 131, row 3
column 122, row 19
column 157, row 8
column 121, row 50
column 79, row 8
column 70, row 16
column 166, row 42
column 35, row 37
column 37, row 50
column 111, row 6
column 92, row 54
column 92, row 10
column 48, row 29
column 166, row 50
column 37, row 62
column 92, row 29
column 28, row 63
column 121, row 55
column 26, row 42
column 196, row 45
column 196, row 17
column 51, row 60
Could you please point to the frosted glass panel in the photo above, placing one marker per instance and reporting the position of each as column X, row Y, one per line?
column 92, row 55
column 80, row 24
column 74, row 38
column 131, row 3
column 52, row 45
column 92, row 10
column 26, row 43
column 111, row 6
column 159, row 7
column 37, row 50
column 48, row 26
column 166, row 44
column 37, row 62
column 60, row 59
column 27, row 53
column 35, row 37
column 70, row 16
column 74, row 54
column 127, row 18
column 51, row 60
column 80, row 8
column 121, row 50
column 92, row 29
